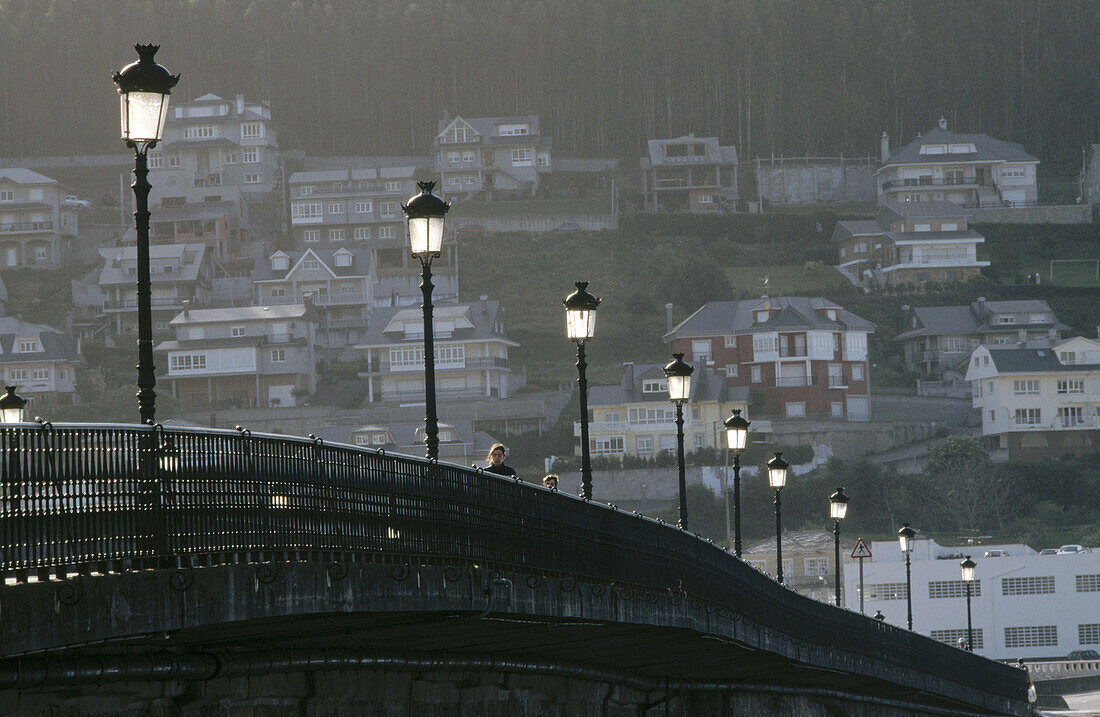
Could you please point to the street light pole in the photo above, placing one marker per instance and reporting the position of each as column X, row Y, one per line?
column 678, row 374
column 144, row 88
column 580, row 325
column 737, row 435
column 968, row 566
column 425, row 215
column 777, row 478
column 905, row 541
column 838, row 509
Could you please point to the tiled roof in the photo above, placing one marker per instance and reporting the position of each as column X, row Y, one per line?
column 20, row 175
column 795, row 542
column 480, row 319
column 706, row 386
column 56, row 346
column 1032, row 360
column 360, row 263
column 988, row 149
column 971, row 319
column 194, row 210
column 719, row 318
column 189, row 257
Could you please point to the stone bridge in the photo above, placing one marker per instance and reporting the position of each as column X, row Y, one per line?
column 187, row 572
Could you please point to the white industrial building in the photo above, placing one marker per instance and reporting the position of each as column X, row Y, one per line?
column 1022, row 604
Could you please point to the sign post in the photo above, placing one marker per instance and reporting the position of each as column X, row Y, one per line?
column 861, row 552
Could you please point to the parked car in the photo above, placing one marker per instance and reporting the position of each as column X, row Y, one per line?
column 996, row 553
column 1048, row 551
column 1083, row 655
column 71, row 200
column 1072, row 549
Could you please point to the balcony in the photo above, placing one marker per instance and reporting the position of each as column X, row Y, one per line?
column 25, row 227
column 130, row 304
column 793, row 381
column 921, row 182
column 838, row 382
column 635, row 426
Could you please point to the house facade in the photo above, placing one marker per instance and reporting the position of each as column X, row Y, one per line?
column 490, row 156
column 36, row 229
column 636, row 417
column 809, row 562
column 471, row 353
column 970, row 170
column 912, row 243
column 249, row 357
column 799, row 357
column 689, row 174
column 360, row 208
column 939, row 339
column 1038, row 403
column 39, row 360
column 338, row 284
column 180, row 274
column 1021, row 603
column 215, row 224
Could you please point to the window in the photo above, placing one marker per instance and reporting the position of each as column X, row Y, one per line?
column 362, row 207
column 41, row 253
column 306, row 189
column 698, row 441
column 1068, row 358
column 654, row 385
column 701, row 350
column 796, row 409
column 311, row 264
column 730, row 342
column 362, row 233
column 253, row 179
column 378, row 439
column 229, row 158
column 1027, row 586
column 1088, row 634
column 1071, row 385
column 1006, row 319
column 278, row 355
column 644, row 445
column 469, row 180
column 816, row 566
column 156, row 160
column 252, row 130
column 606, row 445
column 953, row 344
column 7, row 195
column 387, row 209
column 305, row 210
column 756, row 374
column 335, row 207
column 1014, row 173
column 200, row 131
column 650, row 416
column 922, row 227
column 17, row 374
column 236, row 331
column 387, row 233
column 457, row 133
column 173, row 161
column 187, row 362
column 764, row 346
column 276, row 293
column 886, row 591
column 544, row 161
column 952, row 637
column 393, row 186
column 992, row 416
column 336, row 234
column 250, row 155
column 311, row 235
column 361, row 440
column 1031, row 636
column 1028, row 387
column 857, row 372
column 1070, row 416
column 1028, row 416
column 843, row 252
column 40, row 374
column 731, row 370
column 406, row 357
column 27, row 346
column 457, row 181
column 511, row 130
column 521, row 156
column 953, row 589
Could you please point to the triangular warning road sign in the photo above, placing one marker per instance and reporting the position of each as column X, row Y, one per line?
column 861, row 550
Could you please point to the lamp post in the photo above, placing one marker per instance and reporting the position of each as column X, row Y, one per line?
column 580, row 325
column 737, row 435
column 777, row 478
column 905, row 542
column 11, row 406
column 678, row 374
column 968, row 566
column 144, row 88
column 425, row 214
column 838, row 508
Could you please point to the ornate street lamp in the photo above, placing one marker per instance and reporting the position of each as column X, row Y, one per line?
column 11, row 406
column 777, row 478
column 426, row 214
column 143, row 89
column 737, row 436
column 678, row 374
column 838, row 508
column 905, row 542
column 580, row 325
column 968, row 566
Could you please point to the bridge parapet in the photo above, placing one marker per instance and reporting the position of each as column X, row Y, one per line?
column 82, row 501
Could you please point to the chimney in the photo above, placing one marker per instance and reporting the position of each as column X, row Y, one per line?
column 943, row 122
column 240, row 104
column 668, row 317
column 628, row 375
column 981, row 307
column 884, row 147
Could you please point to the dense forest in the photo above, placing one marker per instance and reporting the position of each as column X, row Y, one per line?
column 820, row 77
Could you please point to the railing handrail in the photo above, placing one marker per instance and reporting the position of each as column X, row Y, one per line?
column 139, row 494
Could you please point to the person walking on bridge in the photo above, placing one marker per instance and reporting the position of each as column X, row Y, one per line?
column 496, row 462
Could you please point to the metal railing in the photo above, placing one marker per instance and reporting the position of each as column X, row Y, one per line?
column 918, row 182
column 788, row 381
column 25, row 226
column 87, row 499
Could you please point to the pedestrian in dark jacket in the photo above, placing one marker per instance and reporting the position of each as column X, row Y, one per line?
column 496, row 462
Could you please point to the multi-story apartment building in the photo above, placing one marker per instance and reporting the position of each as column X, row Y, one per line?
column 337, row 283
column 39, row 360
column 1038, row 402
column 490, row 156
column 459, row 441
column 971, row 170
column 215, row 224
column 471, row 352
column 361, row 208
column 799, row 357
column 636, row 417
column 249, row 357
column 1022, row 604
column 939, row 339
column 910, row 243
column 808, row 562
column 36, row 228
column 216, row 150
column 689, row 174
column 180, row 275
